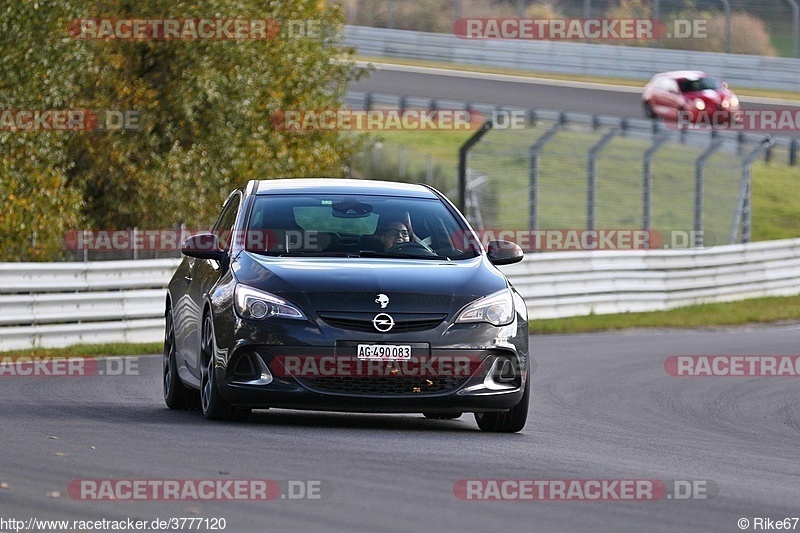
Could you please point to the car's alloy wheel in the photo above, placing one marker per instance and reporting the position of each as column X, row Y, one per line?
column 176, row 394
column 512, row 420
column 214, row 405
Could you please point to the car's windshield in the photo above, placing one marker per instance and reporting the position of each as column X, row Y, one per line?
column 356, row 226
column 702, row 84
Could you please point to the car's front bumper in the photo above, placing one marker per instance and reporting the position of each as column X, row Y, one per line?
column 434, row 380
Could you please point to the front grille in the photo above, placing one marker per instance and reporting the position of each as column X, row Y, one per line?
column 403, row 322
column 384, row 385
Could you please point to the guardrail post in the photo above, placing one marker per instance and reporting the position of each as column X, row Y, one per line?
column 533, row 173
column 368, row 102
column 743, row 214
column 532, row 118
column 647, row 177
column 463, row 152
column 793, row 152
column 591, row 206
column 699, row 179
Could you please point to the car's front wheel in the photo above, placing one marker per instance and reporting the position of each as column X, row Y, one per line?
column 512, row 420
column 176, row 394
column 213, row 404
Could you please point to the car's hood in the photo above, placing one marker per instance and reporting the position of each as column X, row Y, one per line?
column 709, row 96
column 354, row 284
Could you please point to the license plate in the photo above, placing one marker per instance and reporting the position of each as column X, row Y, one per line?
column 384, row 352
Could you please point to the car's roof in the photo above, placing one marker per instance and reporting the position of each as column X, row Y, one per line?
column 683, row 74
column 342, row 186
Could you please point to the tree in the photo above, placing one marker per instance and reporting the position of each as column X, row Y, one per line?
column 204, row 110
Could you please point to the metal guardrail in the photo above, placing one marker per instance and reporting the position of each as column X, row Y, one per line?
column 566, row 284
column 80, row 308
column 574, row 58
column 61, row 304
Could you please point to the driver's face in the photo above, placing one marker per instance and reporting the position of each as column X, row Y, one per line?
column 396, row 233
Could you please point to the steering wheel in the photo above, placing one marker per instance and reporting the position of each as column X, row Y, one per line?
column 411, row 248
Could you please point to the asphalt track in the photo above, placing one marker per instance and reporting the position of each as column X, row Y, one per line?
column 602, row 407
column 517, row 91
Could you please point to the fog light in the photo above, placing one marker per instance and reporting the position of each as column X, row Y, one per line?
column 506, row 372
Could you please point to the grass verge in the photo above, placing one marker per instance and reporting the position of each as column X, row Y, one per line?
column 89, row 350
column 754, row 311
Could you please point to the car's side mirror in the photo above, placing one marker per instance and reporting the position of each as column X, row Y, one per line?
column 203, row 246
column 503, row 252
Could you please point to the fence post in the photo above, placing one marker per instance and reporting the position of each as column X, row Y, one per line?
column 401, row 162
column 591, row 206
column 533, row 174
column 462, row 162
column 699, row 179
column 647, row 177
column 429, row 169
column 743, row 214
column 795, row 27
column 726, row 4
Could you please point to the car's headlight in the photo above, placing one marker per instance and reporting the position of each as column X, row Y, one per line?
column 255, row 304
column 734, row 100
column 496, row 309
column 699, row 104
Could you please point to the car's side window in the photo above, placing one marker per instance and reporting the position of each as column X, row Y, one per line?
column 224, row 226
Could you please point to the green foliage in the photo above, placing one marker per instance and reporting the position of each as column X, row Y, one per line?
column 204, row 107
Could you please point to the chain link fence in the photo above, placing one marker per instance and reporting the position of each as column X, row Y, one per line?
column 581, row 172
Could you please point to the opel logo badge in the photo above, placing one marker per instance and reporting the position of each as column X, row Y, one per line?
column 383, row 322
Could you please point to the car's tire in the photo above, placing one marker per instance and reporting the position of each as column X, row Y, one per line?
column 442, row 416
column 212, row 403
column 512, row 420
column 648, row 110
column 176, row 394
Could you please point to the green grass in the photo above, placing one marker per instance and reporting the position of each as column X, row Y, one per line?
column 609, row 80
column 754, row 311
column 89, row 350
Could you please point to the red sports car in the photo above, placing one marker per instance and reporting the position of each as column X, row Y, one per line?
column 689, row 95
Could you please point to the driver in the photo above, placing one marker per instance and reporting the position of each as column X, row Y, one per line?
column 394, row 233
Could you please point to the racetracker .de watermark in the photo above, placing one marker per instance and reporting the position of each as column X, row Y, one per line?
column 24, row 366
column 197, row 29
column 732, row 365
column 303, row 120
column 584, row 489
column 198, row 489
column 394, row 362
column 68, row 120
column 589, row 29
column 558, row 240
column 743, row 120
